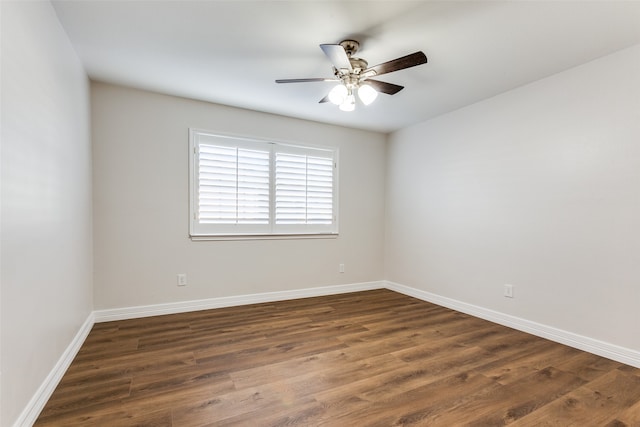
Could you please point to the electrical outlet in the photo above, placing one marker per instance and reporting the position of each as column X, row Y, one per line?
column 182, row 279
column 341, row 268
column 508, row 291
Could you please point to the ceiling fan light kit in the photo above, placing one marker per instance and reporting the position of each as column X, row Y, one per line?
column 367, row 94
column 338, row 94
column 349, row 104
column 354, row 75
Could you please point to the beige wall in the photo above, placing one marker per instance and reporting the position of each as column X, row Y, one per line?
column 538, row 187
column 46, row 226
column 141, row 205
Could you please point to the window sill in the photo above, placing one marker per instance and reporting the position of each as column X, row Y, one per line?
column 197, row 238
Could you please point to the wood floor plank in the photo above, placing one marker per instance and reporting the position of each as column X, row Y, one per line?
column 417, row 406
column 215, row 408
column 177, row 380
column 105, row 369
column 587, row 366
column 596, row 403
column 375, row 358
column 301, row 414
column 526, row 360
column 157, row 418
column 338, row 364
column 628, row 417
column 89, row 394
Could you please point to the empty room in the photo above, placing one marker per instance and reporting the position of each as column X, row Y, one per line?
column 320, row 213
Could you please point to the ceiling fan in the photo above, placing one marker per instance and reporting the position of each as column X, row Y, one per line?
column 355, row 75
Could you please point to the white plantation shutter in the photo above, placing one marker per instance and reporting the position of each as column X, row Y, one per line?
column 233, row 185
column 304, row 189
column 247, row 187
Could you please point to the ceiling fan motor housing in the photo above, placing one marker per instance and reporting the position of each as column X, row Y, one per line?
column 358, row 64
column 350, row 46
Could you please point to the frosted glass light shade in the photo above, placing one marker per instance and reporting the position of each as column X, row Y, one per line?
column 338, row 94
column 349, row 104
column 367, row 94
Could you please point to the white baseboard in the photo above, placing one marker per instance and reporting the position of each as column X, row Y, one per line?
column 206, row 304
column 30, row 413
column 581, row 342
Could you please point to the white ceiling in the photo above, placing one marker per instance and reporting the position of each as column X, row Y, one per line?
column 230, row 52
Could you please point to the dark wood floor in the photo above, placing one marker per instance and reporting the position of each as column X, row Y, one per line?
column 374, row 358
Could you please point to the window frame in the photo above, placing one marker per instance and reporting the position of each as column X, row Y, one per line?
column 199, row 231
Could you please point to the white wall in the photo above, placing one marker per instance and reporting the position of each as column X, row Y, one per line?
column 538, row 187
column 46, row 200
column 141, row 205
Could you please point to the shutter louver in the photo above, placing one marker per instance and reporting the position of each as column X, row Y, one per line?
column 233, row 185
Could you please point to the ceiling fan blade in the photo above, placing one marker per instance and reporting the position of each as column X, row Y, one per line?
column 319, row 79
column 384, row 87
column 323, row 100
column 408, row 61
column 337, row 55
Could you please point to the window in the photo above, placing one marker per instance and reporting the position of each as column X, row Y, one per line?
column 245, row 187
